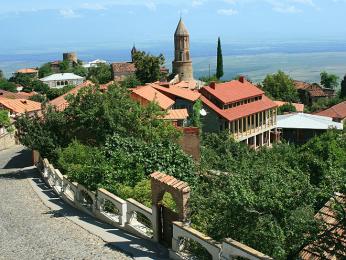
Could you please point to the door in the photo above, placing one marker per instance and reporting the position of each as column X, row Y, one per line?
column 167, row 217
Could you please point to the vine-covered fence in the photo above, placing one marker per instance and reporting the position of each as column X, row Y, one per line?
column 138, row 219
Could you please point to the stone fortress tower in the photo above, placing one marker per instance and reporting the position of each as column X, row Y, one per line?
column 182, row 64
column 70, row 57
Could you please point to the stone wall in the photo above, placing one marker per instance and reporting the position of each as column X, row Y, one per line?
column 7, row 140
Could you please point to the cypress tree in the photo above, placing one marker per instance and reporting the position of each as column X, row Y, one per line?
column 219, row 67
column 343, row 88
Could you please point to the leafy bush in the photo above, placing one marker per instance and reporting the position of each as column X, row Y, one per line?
column 147, row 158
column 286, row 108
column 267, row 199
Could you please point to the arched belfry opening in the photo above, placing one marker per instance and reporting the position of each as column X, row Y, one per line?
column 164, row 216
column 182, row 64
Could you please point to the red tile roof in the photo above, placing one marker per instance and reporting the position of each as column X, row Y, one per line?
column 338, row 111
column 315, row 90
column 299, row 107
column 17, row 95
column 61, row 103
column 233, row 91
column 336, row 232
column 105, row 86
column 192, row 84
column 123, row 67
column 20, row 106
column 241, row 111
column 177, row 114
column 178, row 92
column 27, row 71
column 152, row 95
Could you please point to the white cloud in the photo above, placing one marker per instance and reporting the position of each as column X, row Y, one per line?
column 197, row 3
column 228, row 12
column 286, row 9
column 151, row 5
column 93, row 6
column 69, row 13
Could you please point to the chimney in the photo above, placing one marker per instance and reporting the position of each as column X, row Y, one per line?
column 242, row 79
column 212, row 84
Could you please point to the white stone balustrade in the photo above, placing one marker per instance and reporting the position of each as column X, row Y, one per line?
column 136, row 224
column 232, row 249
column 137, row 218
column 117, row 218
column 180, row 231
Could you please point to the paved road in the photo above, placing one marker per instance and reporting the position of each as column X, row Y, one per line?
column 29, row 230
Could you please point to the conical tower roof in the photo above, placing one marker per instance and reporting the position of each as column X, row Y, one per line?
column 181, row 29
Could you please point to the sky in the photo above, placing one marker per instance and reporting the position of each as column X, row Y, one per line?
column 29, row 26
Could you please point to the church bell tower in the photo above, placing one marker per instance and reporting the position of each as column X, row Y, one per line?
column 182, row 64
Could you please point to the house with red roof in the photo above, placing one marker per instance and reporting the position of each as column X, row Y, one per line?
column 337, row 112
column 147, row 94
column 310, row 93
column 17, row 107
column 61, row 103
column 242, row 109
column 183, row 98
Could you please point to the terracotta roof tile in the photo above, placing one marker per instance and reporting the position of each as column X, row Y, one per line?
column 314, row 89
column 338, row 111
column 20, row 106
column 105, row 86
column 27, row 71
column 123, row 67
column 335, row 230
column 192, row 84
column 60, row 103
column 177, row 114
column 241, row 111
column 233, row 91
column 152, row 95
column 17, row 95
column 178, row 92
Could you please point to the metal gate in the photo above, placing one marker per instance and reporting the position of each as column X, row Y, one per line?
column 167, row 217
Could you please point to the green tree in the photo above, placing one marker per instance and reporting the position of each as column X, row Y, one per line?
column 80, row 70
column 286, row 108
column 148, row 67
column 100, row 116
column 196, row 116
column 64, row 66
column 22, row 79
column 329, row 80
column 8, row 86
column 53, row 93
column 39, row 86
column 343, row 88
column 219, row 66
column 131, row 81
column 208, row 80
column 102, row 74
column 5, row 120
column 263, row 204
column 280, row 86
column 39, row 98
column 45, row 70
column 1, row 75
